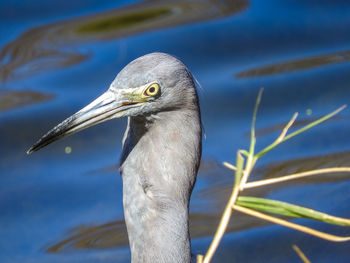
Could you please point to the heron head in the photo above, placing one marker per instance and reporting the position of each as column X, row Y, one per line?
column 146, row 86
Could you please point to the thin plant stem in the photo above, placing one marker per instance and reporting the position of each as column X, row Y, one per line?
column 227, row 212
column 200, row 258
column 312, row 124
column 295, row 176
column 301, row 254
column 330, row 115
column 286, row 128
column 285, row 223
column 229, row 166
column 251, row 160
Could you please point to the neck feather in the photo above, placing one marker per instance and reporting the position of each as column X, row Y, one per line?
column 159, row 164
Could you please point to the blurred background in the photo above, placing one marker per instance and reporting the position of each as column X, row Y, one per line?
column 64, row 203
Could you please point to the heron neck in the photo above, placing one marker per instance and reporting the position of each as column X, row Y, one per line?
column 159, row 166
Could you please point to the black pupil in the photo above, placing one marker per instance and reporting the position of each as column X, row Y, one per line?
column 152, row 89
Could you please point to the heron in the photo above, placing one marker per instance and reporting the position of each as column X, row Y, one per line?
column 161, row 153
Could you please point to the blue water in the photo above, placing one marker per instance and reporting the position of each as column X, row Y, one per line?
column 299, row 51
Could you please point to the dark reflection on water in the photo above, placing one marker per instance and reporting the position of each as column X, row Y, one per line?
column 16, row 99
column 123, row 21
column 55, row 45
column 296, row 125
column 297, row 64
column 59, row 206
column 114, row 234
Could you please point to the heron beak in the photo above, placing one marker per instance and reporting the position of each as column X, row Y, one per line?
column 108, row 106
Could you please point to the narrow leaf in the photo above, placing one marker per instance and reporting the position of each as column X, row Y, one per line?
column 252, row 131
column 287, row 209
column 305, row 128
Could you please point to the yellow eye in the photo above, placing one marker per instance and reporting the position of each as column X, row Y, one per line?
column 152, row 90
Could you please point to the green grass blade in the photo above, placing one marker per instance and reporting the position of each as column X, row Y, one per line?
column 305, row 128
column 266, row 208
column 252, row 130
column 314, row 123
column 287, row 209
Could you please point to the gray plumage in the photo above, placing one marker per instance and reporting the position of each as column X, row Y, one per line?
column 161, row 152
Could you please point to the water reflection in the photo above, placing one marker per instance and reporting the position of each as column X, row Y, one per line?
column 114, row 234
column 296, row 124
column 297, row 65
column 16, row 99
column 55, row 45
column 123, row 21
